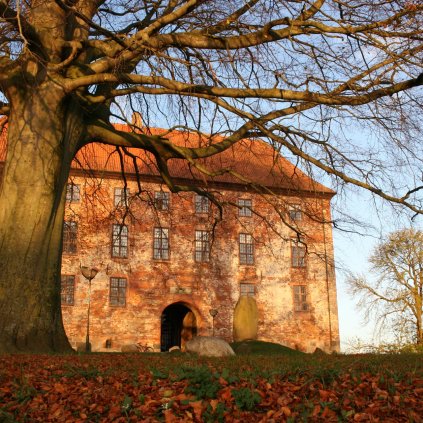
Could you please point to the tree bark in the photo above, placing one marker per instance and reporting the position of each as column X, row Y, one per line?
column 41, row 145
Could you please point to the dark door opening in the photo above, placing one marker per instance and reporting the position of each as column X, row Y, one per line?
column 178, row 325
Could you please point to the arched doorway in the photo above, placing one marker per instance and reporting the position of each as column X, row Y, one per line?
column 178, row 325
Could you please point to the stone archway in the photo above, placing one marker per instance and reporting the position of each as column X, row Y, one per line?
column 178, row 325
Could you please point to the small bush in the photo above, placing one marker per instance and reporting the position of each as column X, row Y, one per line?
column 246, row 399
column 216, row 416
column 159, row 373
column 201, row 381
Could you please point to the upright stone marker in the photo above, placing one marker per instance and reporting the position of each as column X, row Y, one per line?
column 245, row 319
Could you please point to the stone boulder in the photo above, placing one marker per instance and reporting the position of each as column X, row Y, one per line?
column 209, row 346
column 245, row 324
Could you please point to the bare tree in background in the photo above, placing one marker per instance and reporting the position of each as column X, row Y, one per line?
column 395, row 297
column 300, row 74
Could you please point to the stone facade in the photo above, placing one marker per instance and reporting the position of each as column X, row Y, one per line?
column 161, row 290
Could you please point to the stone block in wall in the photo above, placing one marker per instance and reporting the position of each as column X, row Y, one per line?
column 180, row 290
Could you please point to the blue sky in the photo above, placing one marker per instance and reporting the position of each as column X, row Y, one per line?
column 352, row 251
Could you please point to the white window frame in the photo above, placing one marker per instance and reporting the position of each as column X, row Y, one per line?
column 247, row 289
column 246, row 249
column 161, row 245
column 301, row 300
column 70, row 237
column 162, row 200
column 298, row 254
column 117, row 291
column 120, row 241
column 202, row 204
column 295, row 213
column 73, row 192
column 67, row 290
column 202, row 246
column 121, row 196
column 246, row 207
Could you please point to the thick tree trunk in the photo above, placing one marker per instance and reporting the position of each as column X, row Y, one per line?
column 31, row 219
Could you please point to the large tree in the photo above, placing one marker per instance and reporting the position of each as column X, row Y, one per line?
column 300, row 74
column 395, row 292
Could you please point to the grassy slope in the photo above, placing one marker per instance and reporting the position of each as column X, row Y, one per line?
column 261, row 347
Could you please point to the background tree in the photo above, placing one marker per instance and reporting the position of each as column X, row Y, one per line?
column 299, row 74
column 395, row 297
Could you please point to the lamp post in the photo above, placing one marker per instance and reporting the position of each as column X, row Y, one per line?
column 213, row 313
column 89, row 273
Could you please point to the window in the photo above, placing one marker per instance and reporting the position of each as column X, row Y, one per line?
column 245, row 207
column 120, row 241
column 72, row 193
column 121, row 196
column 298, row 253
column 161, row 244
column 70, row 232
column 246, row 249
column 202, row 204
column 202, row 246
column 117, row 291
column 67, row 289
column 295, row 213
column 247, row 290
column 161, row 200
column 300, row 298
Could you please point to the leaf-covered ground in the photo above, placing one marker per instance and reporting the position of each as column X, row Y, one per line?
column 183, row 388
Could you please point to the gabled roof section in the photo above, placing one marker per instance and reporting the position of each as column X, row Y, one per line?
column 251, row 163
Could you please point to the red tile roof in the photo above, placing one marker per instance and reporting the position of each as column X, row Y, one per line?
column 247, row 161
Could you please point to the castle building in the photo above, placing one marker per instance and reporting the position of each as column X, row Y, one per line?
column 169, row 266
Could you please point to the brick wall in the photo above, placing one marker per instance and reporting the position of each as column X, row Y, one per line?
column 153, row 285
